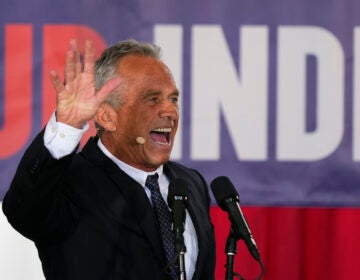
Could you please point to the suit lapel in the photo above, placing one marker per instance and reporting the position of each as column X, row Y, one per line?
column 128, row 190
column 141, row 208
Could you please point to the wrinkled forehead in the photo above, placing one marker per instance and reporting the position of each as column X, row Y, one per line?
column 144, row 69
column 140, row 64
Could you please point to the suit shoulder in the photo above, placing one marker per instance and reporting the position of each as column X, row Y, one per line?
column 182, row 169
column 193, row 176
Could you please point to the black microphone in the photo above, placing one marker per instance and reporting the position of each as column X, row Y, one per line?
column 177, row 200
column 228, row 199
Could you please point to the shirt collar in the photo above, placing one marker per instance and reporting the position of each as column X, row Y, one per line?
column 137, row 174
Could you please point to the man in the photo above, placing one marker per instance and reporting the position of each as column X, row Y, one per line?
column 92, row 214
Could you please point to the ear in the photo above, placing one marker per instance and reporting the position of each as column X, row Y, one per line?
column 106, row 116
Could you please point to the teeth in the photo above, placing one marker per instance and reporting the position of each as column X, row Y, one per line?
column 162, row 130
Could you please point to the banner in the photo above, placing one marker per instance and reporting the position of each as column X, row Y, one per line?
column 269, row 91
column 270, row 97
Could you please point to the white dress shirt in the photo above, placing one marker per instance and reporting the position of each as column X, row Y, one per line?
column 61, row 139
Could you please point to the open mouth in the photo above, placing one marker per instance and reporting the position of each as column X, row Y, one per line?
column 161, row 136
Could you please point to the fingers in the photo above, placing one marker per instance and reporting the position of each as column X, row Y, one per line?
column 89, row 57
column 77, row 59
column 72, row 63
column 107, row 88
column 69, row 71
column 56, row 81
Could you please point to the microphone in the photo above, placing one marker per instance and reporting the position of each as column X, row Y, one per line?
column 228, row 199
column 177, row 200
column 140, row 140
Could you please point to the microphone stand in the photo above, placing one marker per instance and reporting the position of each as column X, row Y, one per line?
column 230, row 250
column 180, row 250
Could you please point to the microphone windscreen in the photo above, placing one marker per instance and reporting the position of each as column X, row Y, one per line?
column 222, row 189
column 178, row 188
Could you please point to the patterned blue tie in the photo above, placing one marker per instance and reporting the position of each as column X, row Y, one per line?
column 163, row 216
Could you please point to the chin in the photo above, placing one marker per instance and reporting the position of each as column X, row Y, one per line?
column 160, row 161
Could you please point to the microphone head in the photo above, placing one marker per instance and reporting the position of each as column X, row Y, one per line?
column 140, row 140
column 223, row 189
column 178, row 191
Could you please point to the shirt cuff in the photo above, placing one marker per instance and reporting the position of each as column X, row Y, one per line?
column 61, row 139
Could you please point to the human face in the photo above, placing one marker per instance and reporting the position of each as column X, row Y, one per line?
column 150, row 111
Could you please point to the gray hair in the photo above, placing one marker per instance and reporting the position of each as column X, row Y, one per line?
column 106, row 66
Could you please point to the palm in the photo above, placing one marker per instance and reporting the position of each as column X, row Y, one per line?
column 78, row 100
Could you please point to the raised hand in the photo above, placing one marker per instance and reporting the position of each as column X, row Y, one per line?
column 77, row 100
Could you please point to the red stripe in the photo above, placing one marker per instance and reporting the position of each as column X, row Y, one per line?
column 16, row 107
column 295, row 243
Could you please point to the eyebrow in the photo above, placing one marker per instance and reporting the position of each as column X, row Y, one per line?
column 175, row 92
column 154, row 92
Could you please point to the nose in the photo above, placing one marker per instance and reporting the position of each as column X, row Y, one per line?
column 169, row 110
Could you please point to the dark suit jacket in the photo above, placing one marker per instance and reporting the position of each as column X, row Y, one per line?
column 89, row 220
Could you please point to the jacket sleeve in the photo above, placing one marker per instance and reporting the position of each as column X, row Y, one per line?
column 38, row 203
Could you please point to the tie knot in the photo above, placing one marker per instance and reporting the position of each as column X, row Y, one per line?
column 152, row 181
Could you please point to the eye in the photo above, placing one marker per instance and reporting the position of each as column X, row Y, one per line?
column 154, row 99
column 174, row 99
